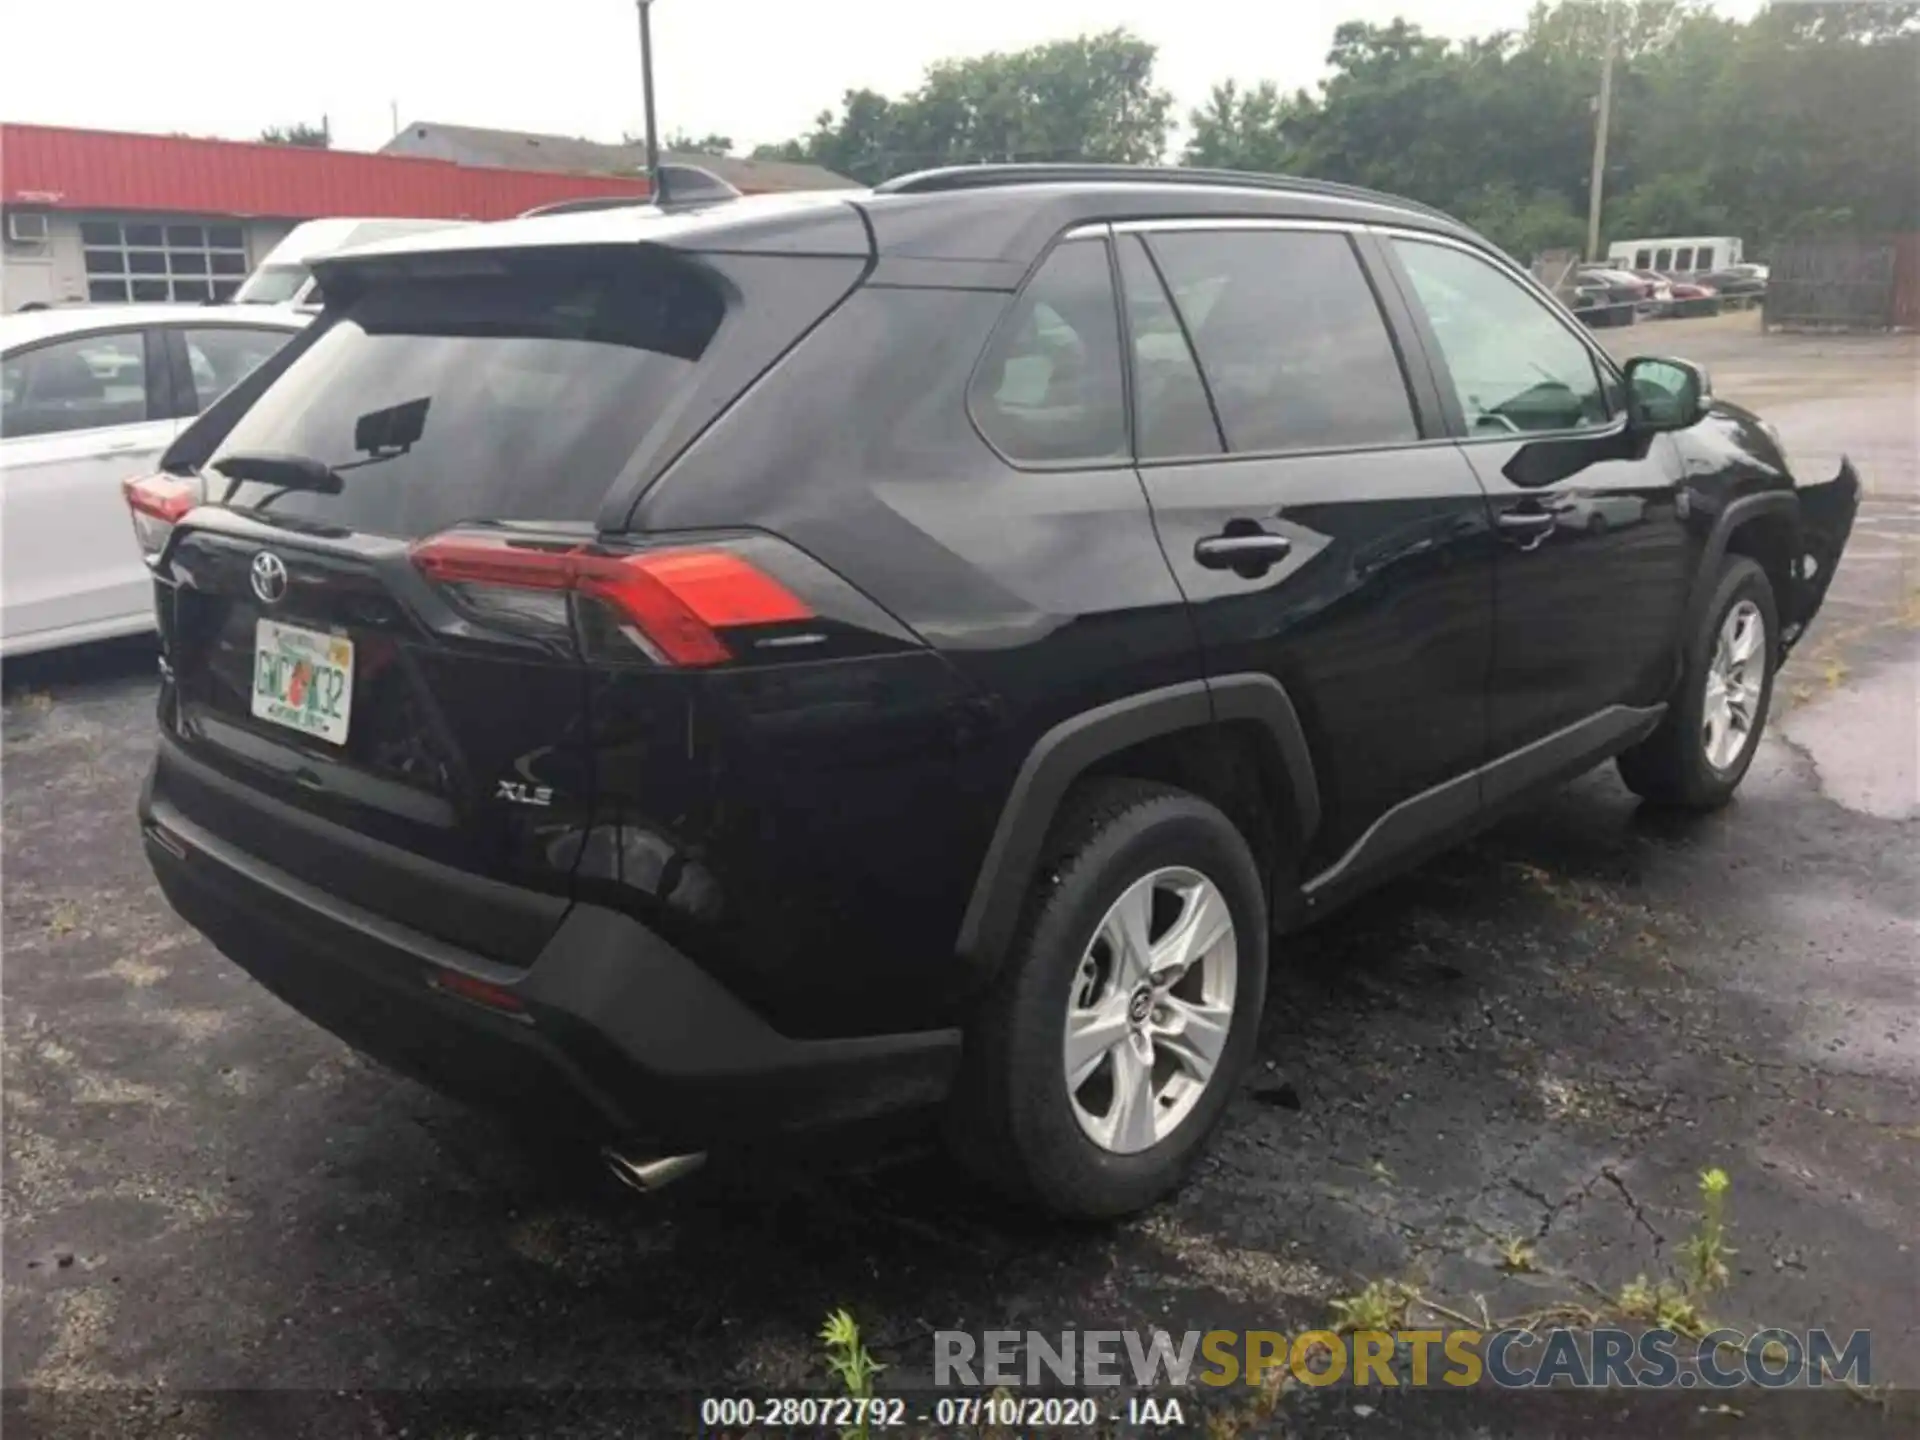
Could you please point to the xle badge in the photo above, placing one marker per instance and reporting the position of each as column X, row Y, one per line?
column 521, row 793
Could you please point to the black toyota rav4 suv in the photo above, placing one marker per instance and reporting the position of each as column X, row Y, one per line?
column 694, row 673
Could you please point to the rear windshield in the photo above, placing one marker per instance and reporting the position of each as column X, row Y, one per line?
column 272, row 285
column 519, row 395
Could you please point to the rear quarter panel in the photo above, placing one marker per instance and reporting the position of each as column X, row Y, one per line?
column 874, row 787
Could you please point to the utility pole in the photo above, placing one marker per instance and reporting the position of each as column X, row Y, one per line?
column 1596, row 181
column 646, row 84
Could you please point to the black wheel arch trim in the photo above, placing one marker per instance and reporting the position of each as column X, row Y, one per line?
column 1738, row 512
column 1070, row 748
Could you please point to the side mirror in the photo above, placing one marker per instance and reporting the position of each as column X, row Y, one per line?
column 1666, row 394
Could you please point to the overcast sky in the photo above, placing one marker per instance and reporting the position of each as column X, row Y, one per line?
column 757, row 70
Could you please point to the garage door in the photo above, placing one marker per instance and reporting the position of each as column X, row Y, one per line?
column 154, row 260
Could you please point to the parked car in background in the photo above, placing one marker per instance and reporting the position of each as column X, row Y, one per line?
column 1737, row 287
column 90, row 394
column 285, row 278
column 1692, row 298
column 1588, row 301
column 1626, row 294
column 1659, row 301
column 1676, row 298
column 1681, row 255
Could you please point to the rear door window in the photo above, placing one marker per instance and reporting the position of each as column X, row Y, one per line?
column 1049, row 388
column 87, row 383
column 1683, row 258
column 220, row 358
column 1290, row 338
column 514, row 395
column 1704, row 260
column 1663, row 260
column 1171, row 411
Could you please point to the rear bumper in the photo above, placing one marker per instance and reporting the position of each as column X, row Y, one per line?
column 617, row 1035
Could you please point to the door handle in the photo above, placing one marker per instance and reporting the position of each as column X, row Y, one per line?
column 114, row 447
column 1246, row 555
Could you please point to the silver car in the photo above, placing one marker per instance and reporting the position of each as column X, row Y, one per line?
column 90, row 395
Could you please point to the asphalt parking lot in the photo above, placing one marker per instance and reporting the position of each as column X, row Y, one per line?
column 1545, row 1036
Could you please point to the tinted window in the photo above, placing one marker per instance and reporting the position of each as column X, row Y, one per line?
column 1683, row 258
column 1664, row 260
column 1170, row 410
column 1643, row 260
column 1513, row 364
column 221, row 358
column 1704, row 260
column 81, row 384
column 1289, row 336
column 1049, row 387
column 509, row 397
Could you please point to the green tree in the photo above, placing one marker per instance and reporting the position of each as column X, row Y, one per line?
column 1089, row 98
column 681, row 143
column 1523, row 224
column 859, row 142
column 1580, row 27
column 311, row 137
column 1257, row 129
column 1803, row 119
column 1843, row 20
column 1679, row 202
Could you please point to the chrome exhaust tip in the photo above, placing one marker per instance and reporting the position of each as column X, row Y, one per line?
column 650, row 1174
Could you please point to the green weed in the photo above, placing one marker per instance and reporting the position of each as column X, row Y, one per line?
column 851, row 1363
column 1382, row 1305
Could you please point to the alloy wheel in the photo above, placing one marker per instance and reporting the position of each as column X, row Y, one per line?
column 1150, row 1009
column 1735, row 678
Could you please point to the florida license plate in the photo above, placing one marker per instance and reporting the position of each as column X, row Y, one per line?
column 302, row 679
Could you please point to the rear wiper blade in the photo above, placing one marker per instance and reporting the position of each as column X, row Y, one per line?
column 289, row 472
column 286, row 473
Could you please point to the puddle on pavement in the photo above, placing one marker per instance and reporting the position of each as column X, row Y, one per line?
column 1864, row 741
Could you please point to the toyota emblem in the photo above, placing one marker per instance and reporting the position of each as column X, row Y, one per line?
column 269, row 577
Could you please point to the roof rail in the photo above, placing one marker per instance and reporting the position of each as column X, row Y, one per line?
column 982, row 177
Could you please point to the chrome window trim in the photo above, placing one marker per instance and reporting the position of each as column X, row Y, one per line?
column 1234, row 222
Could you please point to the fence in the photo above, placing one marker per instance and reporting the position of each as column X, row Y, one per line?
column 1845, row 284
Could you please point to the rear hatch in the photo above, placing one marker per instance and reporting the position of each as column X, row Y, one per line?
column 380, row 627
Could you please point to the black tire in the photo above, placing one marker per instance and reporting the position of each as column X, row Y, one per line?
column 1670, row 767
column 1010, row 1120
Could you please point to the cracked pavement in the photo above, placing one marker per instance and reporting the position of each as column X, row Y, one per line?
column 1545, row 1035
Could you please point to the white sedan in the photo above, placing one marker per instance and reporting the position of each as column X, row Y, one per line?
column 88, row 396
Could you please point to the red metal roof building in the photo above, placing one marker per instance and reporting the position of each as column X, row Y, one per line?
column 78, row 205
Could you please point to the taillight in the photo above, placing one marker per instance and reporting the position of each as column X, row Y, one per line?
column 158, row 502
column 670, row 603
